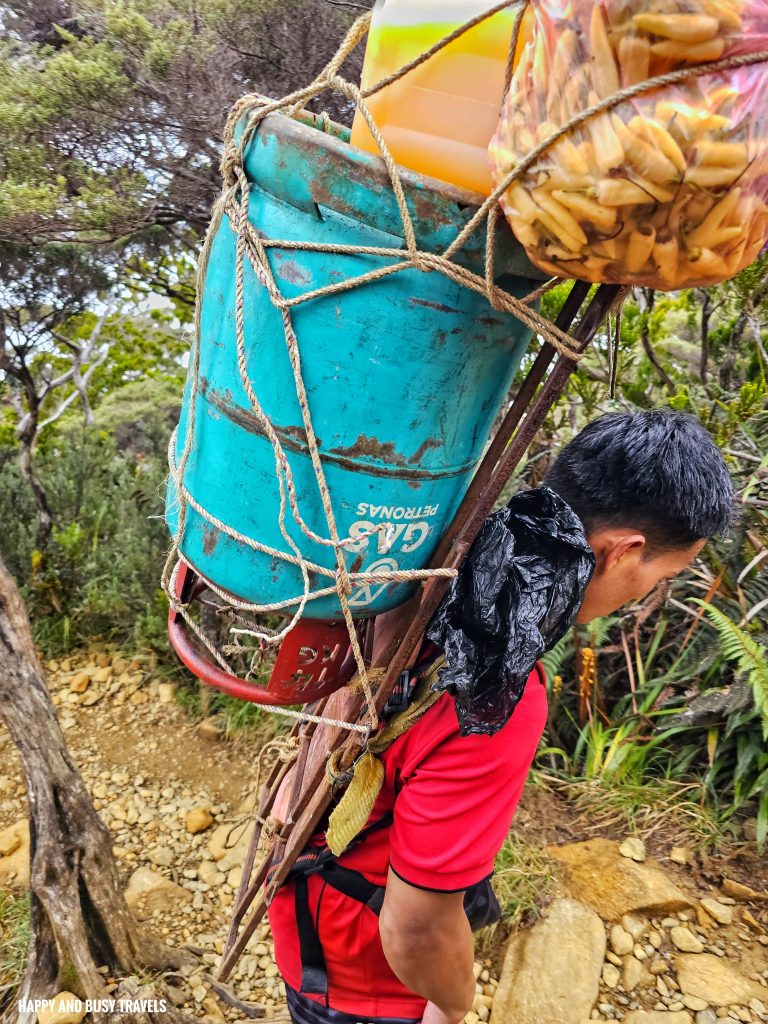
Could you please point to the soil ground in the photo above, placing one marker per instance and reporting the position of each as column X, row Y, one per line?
column 147, row 763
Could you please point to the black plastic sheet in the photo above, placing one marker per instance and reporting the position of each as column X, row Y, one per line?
column 517, row 593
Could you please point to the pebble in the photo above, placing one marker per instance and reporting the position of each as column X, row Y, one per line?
column 621, row 940
column 161, row 856
column 722, row 914
column 685, row 940
column 706, row 1017
column 680, row 855
column 632, row 973
column 694, row 1003
column 198, row 820
column 79, row 682
column 611, row 975
column 635, row 925
column 633, row 849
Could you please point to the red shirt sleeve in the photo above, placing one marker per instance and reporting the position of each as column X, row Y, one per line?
column 458, row 797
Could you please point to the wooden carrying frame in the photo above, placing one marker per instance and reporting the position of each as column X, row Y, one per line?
column 311, row 794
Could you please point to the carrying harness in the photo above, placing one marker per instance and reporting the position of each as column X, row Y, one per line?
column 411, row 698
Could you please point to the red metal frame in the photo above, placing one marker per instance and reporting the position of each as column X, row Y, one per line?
column 313, row 660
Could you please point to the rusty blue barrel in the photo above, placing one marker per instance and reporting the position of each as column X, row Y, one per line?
column 405, row 375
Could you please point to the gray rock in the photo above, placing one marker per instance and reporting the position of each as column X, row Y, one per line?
column 706, row 1016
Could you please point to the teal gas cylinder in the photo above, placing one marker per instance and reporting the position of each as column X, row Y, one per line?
column 404, row 375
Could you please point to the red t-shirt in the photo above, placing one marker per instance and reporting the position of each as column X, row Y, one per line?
column 456, row 796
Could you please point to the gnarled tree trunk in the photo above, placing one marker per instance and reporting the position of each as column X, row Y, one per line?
column 79, row 918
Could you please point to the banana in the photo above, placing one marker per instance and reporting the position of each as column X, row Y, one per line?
column 567, row 156
column 634, row 59
column 605, row 75
column 689, row 53
column 569, row 226
column 683, row 28
column 659, row 192
column 585, row 209
column 665, row 254
column 651, row 163
column 607, row 147
column 707, row 262
column 655, row 133
column 722, row 154
column 623, row 192
column 639, row 248
column 712, row 177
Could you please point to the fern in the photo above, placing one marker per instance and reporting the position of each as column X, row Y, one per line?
column 750, row 656
column 555, row 658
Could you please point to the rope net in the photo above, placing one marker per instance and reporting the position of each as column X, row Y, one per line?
column 252, row 246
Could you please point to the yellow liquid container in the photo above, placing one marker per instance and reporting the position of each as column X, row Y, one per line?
column 438, row 118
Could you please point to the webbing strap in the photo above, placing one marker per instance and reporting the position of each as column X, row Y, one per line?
column 314, row 974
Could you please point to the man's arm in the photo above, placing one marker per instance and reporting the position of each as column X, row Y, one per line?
column 427, row 941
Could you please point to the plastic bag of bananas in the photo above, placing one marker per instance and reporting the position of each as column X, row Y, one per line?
column 667, row 189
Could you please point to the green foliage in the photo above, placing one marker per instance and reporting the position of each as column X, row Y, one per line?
column 110, row 126
column 109, row 542
column 750, row 657
column 14, row 942
column 522, row 878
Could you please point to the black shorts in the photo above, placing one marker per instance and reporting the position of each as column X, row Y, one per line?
column 306, row 1011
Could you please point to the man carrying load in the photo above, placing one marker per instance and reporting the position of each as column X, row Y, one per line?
column 382, row 933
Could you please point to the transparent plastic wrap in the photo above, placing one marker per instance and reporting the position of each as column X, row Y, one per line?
column 517, row 593
column 668, row 189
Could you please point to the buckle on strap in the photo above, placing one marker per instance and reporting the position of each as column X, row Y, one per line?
column 400, row 696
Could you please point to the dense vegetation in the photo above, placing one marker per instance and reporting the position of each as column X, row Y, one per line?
column 109, row 122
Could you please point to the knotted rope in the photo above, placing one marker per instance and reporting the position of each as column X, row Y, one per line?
column 233, row 204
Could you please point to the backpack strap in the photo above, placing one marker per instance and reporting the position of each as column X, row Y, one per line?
column 320, row 861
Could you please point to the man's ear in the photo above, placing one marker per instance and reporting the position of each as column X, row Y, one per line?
column 613, row 547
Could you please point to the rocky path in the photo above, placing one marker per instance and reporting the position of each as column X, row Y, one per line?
column 626, row 939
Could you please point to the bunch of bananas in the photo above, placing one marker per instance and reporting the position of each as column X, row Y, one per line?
column 667, row 190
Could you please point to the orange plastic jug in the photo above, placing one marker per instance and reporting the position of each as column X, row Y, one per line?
column 438, row 118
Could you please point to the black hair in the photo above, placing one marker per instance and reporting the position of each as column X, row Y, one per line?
column 659, row 472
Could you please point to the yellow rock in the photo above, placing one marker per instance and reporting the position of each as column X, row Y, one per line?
column 212, row 1009
column 198, row 820
column 79, row 682
column 166, row 692
column 739, row 891
column 65, row 1008
column 14, row 866
column 148, row 892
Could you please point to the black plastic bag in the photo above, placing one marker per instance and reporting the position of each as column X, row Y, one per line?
column 517, row 593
